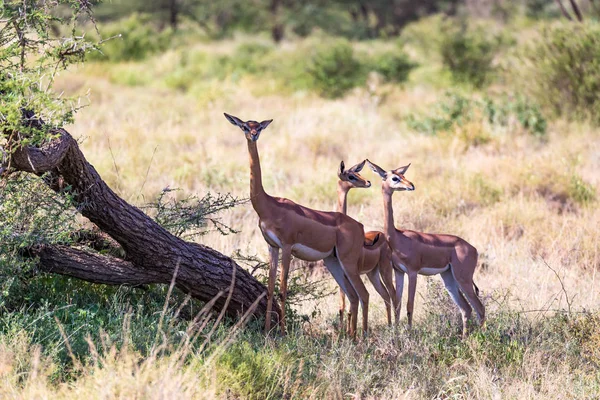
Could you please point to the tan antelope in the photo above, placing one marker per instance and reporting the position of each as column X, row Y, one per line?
column 417, row 253
column 305, row 233
column 376, row 254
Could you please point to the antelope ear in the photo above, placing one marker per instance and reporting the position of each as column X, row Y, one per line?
column 402, row 170
column 377, row 169
column 342, row 168
column 358, row 167
column 234, row 120
column 266, row 123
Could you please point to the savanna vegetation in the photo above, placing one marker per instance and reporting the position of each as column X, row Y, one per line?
column 493, row 102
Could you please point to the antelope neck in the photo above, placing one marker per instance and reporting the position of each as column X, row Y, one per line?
column 258, row 196
column 388, row 213
column 342, row 192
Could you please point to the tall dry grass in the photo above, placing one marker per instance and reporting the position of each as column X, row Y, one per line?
column 523, row 202
column 515, row 198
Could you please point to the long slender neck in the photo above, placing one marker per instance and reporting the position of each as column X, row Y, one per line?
column 257, row 192
column 342, row 192
column 388, row 213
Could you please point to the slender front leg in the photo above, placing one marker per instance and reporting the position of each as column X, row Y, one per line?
column 286, row 258
column 375, row 278
column 386, row 271
column 399, row 290
column 363, row 295
column 353, row 311
column 412, row 289
column 342, row 307
column 334, row 267
column 273, row 261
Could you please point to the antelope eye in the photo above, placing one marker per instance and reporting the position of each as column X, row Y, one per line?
column 396, row 179
column 352, row 178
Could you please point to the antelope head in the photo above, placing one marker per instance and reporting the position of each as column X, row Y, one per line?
column 252, row 129
column 351, row 176
column 393, row 180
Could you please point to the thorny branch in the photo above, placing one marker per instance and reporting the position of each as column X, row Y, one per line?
column 563, row 288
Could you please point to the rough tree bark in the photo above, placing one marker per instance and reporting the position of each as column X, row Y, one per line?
column 152, row 253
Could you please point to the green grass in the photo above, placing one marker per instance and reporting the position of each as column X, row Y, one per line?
column 537, row 352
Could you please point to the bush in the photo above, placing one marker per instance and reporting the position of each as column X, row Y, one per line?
column 132, row 39
column 453, row 110
column 457, row 111
column 250, row 57
column 563, row 70
column 424, row 36
column 540, row 9
column 394, row 67
column 580, row 191
column 468, row 54
column 334, row 70
column 527, row 113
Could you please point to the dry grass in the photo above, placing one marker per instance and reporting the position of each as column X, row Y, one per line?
column 515, row 198
column 512, row 198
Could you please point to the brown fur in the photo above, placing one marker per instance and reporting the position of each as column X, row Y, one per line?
column 416, row 253
column 376, row 253
column 292, row 228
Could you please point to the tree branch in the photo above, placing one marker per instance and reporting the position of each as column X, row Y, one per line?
column 564, row 10
column 45, row 158
column 92, row 267
column 576, row 10
column 151, row 252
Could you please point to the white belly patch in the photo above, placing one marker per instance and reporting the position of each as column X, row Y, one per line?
column 403, row 267
column 433, row 271
column 272, row 239
column 426, row 271
column 309, row 254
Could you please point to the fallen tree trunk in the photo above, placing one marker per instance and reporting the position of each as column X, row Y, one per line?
column 151, row 253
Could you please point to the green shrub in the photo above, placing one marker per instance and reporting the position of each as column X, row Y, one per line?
column 563, row 70
column 250, row 57
column 424, row 36
column 527, row 113
column 334, row 70
column 581, row 191
column 310, row 17
column 456, row 110
column 393, row 66
column 191, row 68
column 132, row 39
column 539, row 9
column 468, row 53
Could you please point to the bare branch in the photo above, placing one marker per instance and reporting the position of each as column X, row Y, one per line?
column 564, row 10
column 562, row 285
column 576, row 10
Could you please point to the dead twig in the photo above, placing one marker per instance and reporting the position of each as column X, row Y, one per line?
column 568, row 299
column 564, row 10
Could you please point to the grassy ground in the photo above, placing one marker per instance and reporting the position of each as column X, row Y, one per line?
column 528, row 204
